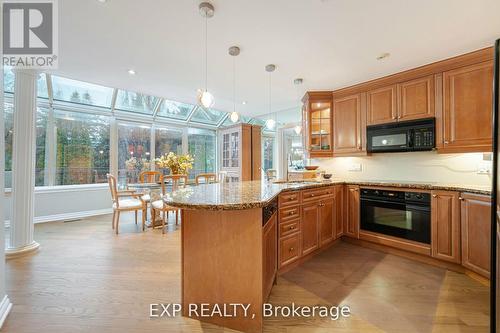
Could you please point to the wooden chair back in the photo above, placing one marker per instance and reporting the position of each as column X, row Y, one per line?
column 222, row 176
column 149, row 176
column 112, row 187
column 206, row 177
column 176, row 181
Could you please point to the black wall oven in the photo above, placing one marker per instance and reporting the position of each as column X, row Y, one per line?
column 396, row 213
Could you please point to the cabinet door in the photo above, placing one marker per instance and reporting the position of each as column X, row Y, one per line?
column 476, row 233
column 445, row 226
column 381, row 105
column 467, row 114
column 351, row 228
column 309, row 228
column 416, row 99
column 269, row 253
column 326, row 221
column 339, row 210
column 348, row 125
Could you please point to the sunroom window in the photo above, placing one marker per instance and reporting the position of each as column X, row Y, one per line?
column 135, row 102
column 72, row 91
column 207, row 116
column 175, row 110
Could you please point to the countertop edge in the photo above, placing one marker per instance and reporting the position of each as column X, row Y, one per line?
column 260, row 204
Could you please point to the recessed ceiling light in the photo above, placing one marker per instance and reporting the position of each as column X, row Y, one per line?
column 383, row 56
column 244, row 102
column 102, row 1
column 131, row 72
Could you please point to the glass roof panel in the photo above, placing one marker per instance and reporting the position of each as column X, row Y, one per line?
column 241, row 119
column 135, row 102
column 207, row 116
column 176, row 110
column 73, row 91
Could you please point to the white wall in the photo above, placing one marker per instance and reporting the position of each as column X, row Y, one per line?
column 68, row 202
column 416, row 166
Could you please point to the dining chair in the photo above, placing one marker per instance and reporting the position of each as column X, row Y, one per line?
column 149, row 177
column 206, row 177
column 222, row 176
column 125, row 201
column 177, row 181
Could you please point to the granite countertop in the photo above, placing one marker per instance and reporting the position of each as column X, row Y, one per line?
column 256, row 194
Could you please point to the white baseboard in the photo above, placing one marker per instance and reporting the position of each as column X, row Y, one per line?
column 67, row 216
column 5, row 306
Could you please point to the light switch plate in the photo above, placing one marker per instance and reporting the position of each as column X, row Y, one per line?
column 355, row 167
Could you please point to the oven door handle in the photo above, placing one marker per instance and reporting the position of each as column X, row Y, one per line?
column 384, row 201
column 421, row 208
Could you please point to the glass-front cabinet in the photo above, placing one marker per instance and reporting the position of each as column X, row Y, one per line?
column 317, row 122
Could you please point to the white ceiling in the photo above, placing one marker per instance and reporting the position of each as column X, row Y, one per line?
column 329, row 43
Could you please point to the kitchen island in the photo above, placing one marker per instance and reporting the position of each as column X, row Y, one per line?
column 235, row 237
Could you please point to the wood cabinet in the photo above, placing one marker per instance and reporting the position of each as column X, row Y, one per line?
column 349, row 123
column 327, row 221
column 476, row 232
column 445, row 226
column 269, row 254
column 467, row 108
column 317, row 124
column 416, row 99
column 241, row 152
column 351, row 225
column 381, row 105
column 339, row 210
column 309, row 227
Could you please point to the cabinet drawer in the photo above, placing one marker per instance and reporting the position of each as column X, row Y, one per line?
column 289, row 213
column 310, row 195
column 289, row 228
column 288, row 199
column 289, row 249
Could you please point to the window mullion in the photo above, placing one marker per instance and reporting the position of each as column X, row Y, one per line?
column 50, row 149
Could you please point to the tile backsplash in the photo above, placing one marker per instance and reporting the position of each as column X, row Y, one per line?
column 467, row 169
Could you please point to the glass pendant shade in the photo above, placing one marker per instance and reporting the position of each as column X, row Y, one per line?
column 298, row 129
column 234, row 116
column 270, row 123
column 206, row 99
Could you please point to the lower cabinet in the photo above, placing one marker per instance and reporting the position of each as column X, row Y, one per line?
column 445, row 226
column 351, row 226
column 309, row 227
column 289, row 249
column 476, row 232
column 269, row 254
column 326, row 221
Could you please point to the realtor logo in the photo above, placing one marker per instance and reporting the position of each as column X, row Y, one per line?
column 29, row 36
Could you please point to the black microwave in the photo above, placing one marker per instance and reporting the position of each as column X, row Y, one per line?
column 413, row 135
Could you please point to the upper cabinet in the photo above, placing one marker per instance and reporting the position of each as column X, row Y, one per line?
column 382, row 105
column 456, row 91
column 467, row 109
column 416, row 99
column 349, row 123
column 317, row 122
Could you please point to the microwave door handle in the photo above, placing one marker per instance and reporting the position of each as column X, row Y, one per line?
column 411, row 135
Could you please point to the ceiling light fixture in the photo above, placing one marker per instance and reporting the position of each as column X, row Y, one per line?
column 102, row 1
column 270, row 123
column 244, row 102
column 205, row 98
column 234, row 51
column 383, row 56
column 131, row 72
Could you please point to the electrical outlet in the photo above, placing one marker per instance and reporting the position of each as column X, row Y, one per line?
column 355, row 167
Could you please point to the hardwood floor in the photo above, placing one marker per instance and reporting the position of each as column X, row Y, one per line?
column 84, row 278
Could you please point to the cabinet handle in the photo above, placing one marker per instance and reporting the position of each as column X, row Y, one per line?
column 312, row 195
column 434, row 195
column 446, row 142
column 291, row 213
column 394, row 117
column 291, row 198
column 291, row 227
column 291, row 249
column 460, row 198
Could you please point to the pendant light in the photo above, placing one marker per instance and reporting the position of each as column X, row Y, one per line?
column 270, row 123
column 234, row 51
column 205, row 98
column 297, row 82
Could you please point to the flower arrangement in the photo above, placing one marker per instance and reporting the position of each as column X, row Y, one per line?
column 137, row 164
column 178, row 164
